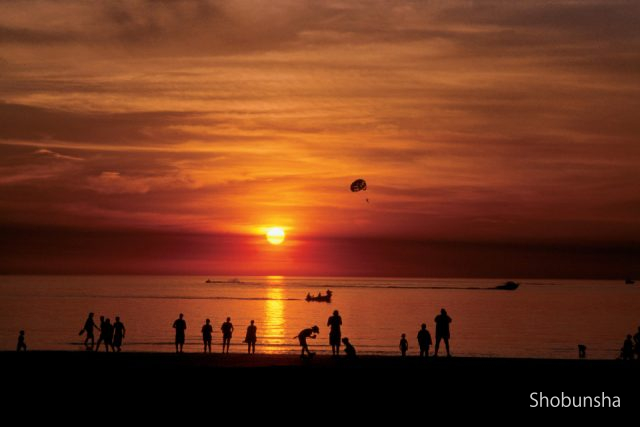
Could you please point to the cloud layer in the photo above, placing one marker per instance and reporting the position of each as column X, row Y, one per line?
column 472, row 121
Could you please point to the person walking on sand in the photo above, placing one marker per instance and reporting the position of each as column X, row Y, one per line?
column 227, row 332
column 22, row 346
column 302, row 338
column 424, row 340
column 118, row 334
column 251, row 338
column 179, row 325
column 207, row 331
column 102, row 332
column 442, row 331
column 107, row 335
column 88, row 327
column 404, row 345
column 335, row 322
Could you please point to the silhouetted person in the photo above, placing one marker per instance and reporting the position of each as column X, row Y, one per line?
column 101, row 337
column 442, row 330
column 329, row 293
column 88, row 327
column 424, row 340
column 107, row 335
column 349, row 349
column 207, row 331
column 636, row 340
column 179, row 325
column 227, row 332
column 251, row 338
column 627, row 349
column 582, row 351
column 404, row 345
column 302, row 338
column 22, row 346
column 335, row 322
column 118, row 334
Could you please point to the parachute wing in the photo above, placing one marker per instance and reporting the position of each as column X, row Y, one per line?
column 358, row 185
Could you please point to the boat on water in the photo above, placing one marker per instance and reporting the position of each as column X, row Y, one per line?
column 234, row 280
column 319, row 297
column 629, row 281
column 508, row 286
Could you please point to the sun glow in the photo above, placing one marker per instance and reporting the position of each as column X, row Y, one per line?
column 275, row 235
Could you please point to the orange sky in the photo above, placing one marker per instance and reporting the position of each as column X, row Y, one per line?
column 474, row 123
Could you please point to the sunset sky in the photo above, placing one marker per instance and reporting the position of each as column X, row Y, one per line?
column 497, row 137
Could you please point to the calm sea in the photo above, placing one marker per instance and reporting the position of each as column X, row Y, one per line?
column 542, row 318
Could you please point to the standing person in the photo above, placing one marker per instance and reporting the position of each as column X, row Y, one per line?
column 107, row 334
column 207, row 331
column 442, row 330
column 404, row 345
column 88, row 327
column 636, row 340
column 627, row 349
column 118, row 334
column 251, row 338
column 101, row 337
column 424, row 340
column 302, row 338
column 335, row 322
column 21, row 344
column 179, row 325
column 227, row 332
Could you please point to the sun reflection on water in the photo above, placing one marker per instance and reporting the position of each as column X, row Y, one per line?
column 273, row 339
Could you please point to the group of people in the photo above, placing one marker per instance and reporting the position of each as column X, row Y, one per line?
column 180, row 325
column 111, row 335
column 335, row 338
column 442, row 322
column 631, row 347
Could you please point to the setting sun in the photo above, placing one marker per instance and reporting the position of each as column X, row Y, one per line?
column 275, row 235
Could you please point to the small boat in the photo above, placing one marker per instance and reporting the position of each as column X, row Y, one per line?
column 319, row 298
column 629, row 281
column 508, row 286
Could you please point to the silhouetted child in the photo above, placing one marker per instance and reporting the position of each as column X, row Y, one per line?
column 627, row 349
column 21, row 344
column 404, row 345
column 302, row 338
column 227, row 331
column 424, row 340
column 582, row 351
column 207, row 331
column 349, row 349
column 251, row 338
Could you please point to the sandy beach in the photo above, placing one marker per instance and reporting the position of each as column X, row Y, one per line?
column 262, row 385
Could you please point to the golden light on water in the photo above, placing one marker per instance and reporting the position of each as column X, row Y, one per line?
column 274, row 324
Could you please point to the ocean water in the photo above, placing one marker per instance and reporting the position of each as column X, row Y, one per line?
column 542, row 318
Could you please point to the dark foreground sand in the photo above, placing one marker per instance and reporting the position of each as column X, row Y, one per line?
column 360, row 390
column 62, row 360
